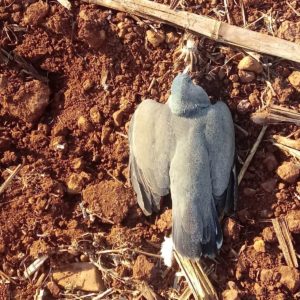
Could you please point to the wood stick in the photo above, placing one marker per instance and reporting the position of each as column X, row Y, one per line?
column 198, row 282
column 285, row 241
column 186, row 294
column 214, row 29
column 7, row 182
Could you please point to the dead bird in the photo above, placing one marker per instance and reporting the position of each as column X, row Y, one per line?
column 185, row 147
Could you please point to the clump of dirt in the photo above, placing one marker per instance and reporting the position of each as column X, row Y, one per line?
column 29, row 101
column 143, row 269
column 109, row 200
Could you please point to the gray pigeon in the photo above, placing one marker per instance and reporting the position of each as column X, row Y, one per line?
column 185, row 147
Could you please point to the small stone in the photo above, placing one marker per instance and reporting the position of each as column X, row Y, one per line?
column 59, row 129
column 76, row 182
column 231, row 229
column 234, row 78
column 270, row 162
column 95, row 115
column 155, row 38
column 269, row 185
column 92, row 33
column 248, row 63
column 288, row 172
column 78, row 163
column 293, row 221
column 82, row 276
column 106, row 131
column 58, row 143
column 143, row 269
column 290, row 278
column 294, row 79
column 269, row 235
column 259, row 245
column 118, row 117
column 87, row 85
column 230, row 295
column 53, row 289
column 84, row 124
column 281, row 185
column 246, row 76
column 84, row 258
column 249, row 192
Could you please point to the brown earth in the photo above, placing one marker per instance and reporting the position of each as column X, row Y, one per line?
column 69, row 83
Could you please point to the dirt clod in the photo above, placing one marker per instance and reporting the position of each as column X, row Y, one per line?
column 269, row 235
column 92, row 33
column 143, row 268
column 230, row 295
column 35, row 13
column 118, row 117
column 293, row 221
column 269, row 185
column 76, row 182
column 231, row 229
column 109, row 200
column 53, row 289
column 270, row 162
column 95, row 115
column 29, row 102
column 289, row 31
column 288, row 172
column 290, row 277
column 294, row 79
column 246, row 76
column 84, row 124
column 259, row 245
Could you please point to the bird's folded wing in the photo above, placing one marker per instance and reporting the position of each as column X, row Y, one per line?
column 221, row 147
column 150, row 143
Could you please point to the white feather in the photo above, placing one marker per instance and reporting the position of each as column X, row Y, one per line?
column 167, row 251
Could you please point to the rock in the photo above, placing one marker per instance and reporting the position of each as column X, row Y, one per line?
column 290, row 278
column 248, row 63
column 58, row 143
column 84, row 124
column 76, row 182
column 29, row 102
column 143, row 269
column 246, row 76
column 78, row 163
column 230, row 295
column 269, row 185
column 155, row 38
column 293, row 221
column 81, row 276
column 35, row 13
column 269, row 235
column 249, row 192
column 92, row 33
column 95, row 115
column 53, row 289
column 290, row 31
column 288, row 172
column 270, row 162
column 118, row 117
column 231, row 229
column 106, row 131
column 259, row 245
column 294, row 79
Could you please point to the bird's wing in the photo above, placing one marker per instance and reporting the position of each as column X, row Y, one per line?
column 221, row 148
column 149, row 143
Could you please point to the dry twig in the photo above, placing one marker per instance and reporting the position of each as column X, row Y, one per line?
column 208, row 27
column 9, row 179
column 285, row 241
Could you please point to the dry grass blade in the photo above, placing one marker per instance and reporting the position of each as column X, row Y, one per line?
column 102, row 295
column 187, row 293
column 290, row 151
column 252, row 153
column 295, row 144
column 65, row 3
column 9, row 179
column 147, row 292
column 285, row 241
column 275, row 114
column 198, row 281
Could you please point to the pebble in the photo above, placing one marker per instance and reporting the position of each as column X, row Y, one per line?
column 248, row 63
column 95, row 115
column 155, row 38
column 293, row 221
column 84, row 124
column 76, row 182
column 246, row 76
column 294, row 79
column 269, row 235
column 259, row 245
column 231, row 229
column 288, row 172
column 118, row 117
column 53, row 289
column 230, row 295
column 106, row 131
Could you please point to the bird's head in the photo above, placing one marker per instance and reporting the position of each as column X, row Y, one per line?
column 186, row 97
